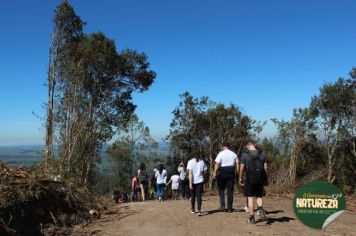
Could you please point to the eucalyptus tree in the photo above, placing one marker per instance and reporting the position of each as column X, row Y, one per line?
column 93, row 91
column 133, row 145
column 227, row 123
column 67, row 28
column 143, row 148
column 294, row 135
column 187, row 125
column 334, row 112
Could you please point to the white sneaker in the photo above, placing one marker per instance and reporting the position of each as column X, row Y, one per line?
column 246, row 209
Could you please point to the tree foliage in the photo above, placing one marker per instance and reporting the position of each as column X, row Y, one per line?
column 200, row 124
column 334, row 112
column 90, row 93
column 322, row 136
column 134, row 145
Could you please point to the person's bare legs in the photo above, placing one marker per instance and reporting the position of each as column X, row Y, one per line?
column 259, row 202
column 251, row 219
column 250, row 205
column 260, row 209
column 246, row 205
column 143, row 192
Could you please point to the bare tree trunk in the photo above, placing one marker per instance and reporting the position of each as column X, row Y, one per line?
column 50, row 103
column 293, row 165
column 211, row 166
column 331, row 178
column 90, row 134
column 49, row 122
column 87, row 172
column 331, row 161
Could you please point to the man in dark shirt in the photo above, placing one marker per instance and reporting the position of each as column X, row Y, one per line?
column 253, row 163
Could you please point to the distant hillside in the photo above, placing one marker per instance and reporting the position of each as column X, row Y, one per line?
column 21, row 155
column 30, row 154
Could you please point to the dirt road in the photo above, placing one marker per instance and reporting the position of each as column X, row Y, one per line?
column 174, row 218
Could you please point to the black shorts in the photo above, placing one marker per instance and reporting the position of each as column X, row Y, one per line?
column 143, row 182
column 253, row 190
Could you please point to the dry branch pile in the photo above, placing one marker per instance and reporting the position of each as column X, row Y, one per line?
column 32, row 202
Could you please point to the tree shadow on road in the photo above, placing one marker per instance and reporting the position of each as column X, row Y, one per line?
column 220, row 211
column 212, row 212
column 283, row 219
column 274, row 212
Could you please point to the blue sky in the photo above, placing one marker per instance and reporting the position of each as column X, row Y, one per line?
column 266, row 56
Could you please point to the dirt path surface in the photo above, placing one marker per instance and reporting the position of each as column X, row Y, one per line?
column 174, row 218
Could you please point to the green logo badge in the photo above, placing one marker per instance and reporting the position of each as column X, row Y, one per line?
column 318, row 203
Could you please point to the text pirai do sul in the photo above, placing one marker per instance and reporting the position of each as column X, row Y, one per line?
column 323, row 203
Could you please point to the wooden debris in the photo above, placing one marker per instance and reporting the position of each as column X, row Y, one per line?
column 32, row 202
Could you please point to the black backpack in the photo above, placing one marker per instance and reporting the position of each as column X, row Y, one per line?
column 255, row 169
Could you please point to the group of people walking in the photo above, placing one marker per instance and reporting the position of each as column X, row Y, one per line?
column 156, row 188
column 252, row 177
column 250, row 169
column 143, row 188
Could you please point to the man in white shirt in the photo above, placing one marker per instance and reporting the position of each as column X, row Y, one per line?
column 228, row 164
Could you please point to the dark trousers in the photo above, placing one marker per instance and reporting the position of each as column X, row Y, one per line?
column 226, row 181
column 197, row 192
column 184, row 188
column 160, row 190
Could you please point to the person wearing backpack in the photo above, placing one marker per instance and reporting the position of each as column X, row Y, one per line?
column 254, row 163
column 142, row 177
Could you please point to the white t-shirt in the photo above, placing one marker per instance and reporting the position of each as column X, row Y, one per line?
column 182, row 173
column 175, row 182
column 227, row 158
column 198, row 169
column 161, row 178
